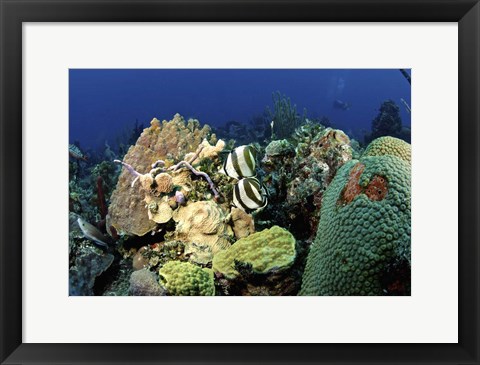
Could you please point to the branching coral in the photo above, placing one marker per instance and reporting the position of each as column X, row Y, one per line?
column 198, row 173
column 163, row 182
column 284, row 116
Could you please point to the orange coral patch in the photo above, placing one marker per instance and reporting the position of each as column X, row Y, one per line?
column 377, row 189
column 353, row 189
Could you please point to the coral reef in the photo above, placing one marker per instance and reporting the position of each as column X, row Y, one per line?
column 89, row 191
column 390, row 146
column 297, row 181
column 279, row 148
column 183, row 278
column 107, row 171
column 180, row 231
column 333, row 148
column 276, row 153
column 145, row 283
column 167, row 141
column 155, row 255
column 364, row 231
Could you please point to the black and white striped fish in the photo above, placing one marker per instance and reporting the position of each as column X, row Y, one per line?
column 249, row 195
column 240, row 162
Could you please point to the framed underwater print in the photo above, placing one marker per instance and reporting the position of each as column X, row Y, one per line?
column 238, row 203
column 308, row 182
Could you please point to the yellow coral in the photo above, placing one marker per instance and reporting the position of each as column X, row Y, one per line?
column 206, row 151
column 164, row 183
column 390, row 146
column 269, row 249
column 183, row 278
column 146, row 182
column 199, row 253
column 159, row 210
column 243, row 224
column 182, row 178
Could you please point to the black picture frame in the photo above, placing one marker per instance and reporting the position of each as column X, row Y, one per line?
column 14, row 12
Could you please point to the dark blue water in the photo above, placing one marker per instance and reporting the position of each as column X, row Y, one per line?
column 106, row 103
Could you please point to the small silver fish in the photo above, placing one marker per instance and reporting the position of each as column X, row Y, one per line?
column 92, row 233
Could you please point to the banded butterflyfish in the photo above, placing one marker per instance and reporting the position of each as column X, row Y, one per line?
column 240, row 162
column 249, row 195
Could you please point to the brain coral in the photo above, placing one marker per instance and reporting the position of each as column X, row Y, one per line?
column 390, row 146
column 183, row 278
column 363, row 239
column 203, row 222
column 269, row 249
column 167, row 140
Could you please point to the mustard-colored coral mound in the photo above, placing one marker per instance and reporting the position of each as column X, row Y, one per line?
column 204, row 223
column 183, row 278
column 362, row 245
column 269, row 249
column 168, row 141
column 390, row 146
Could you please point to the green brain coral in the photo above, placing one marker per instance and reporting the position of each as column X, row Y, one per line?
column 269, row 249
column 184, row 278
column 389, row 146
column 363, row 239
